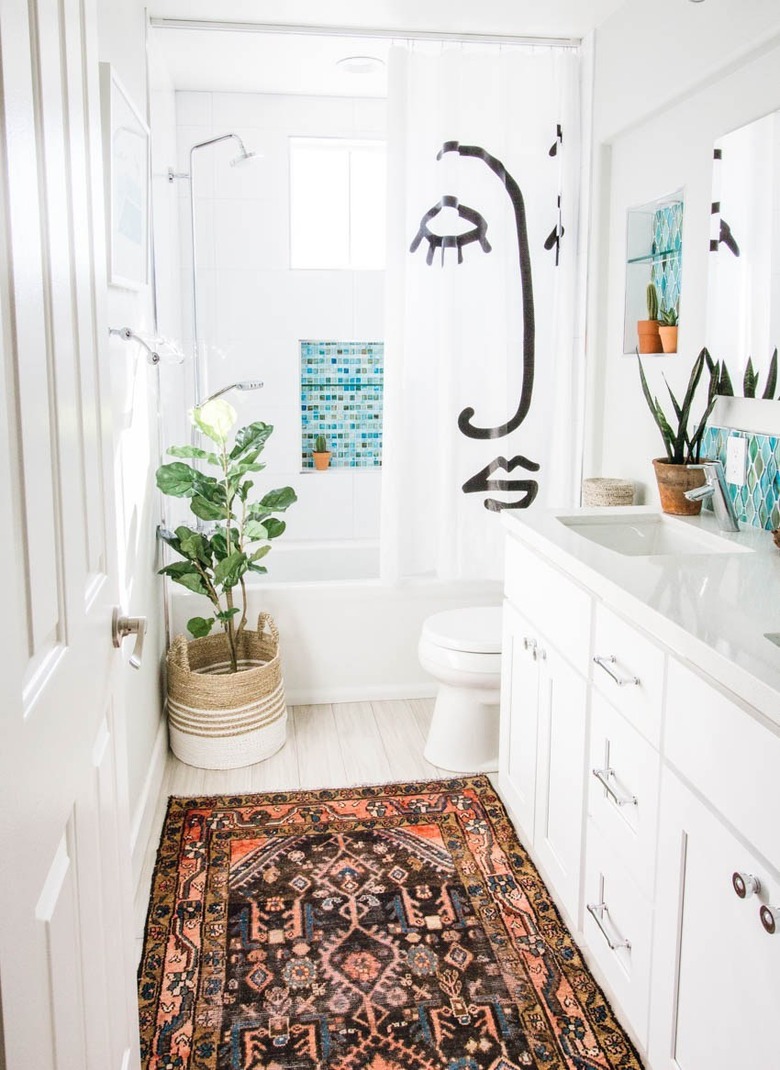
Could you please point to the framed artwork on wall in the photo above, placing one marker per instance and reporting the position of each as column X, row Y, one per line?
column 126, row 169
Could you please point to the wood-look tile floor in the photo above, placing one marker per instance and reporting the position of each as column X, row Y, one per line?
column 327, row 746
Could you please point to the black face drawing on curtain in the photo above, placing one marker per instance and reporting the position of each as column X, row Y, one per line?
column 481, row 481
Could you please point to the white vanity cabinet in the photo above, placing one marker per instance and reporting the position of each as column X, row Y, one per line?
column 648, row 794
column 544, row 719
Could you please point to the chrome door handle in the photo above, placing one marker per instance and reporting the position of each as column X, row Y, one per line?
column 604, row 661
column 745, row 884
column 121, row 627
column 598, row 911
column 603, row 776
column 770, row 918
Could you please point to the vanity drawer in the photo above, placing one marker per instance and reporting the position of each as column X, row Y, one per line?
column 624, row 775
column 618, row 931
column 628, row 669
column 719, row 746
column 555, row 604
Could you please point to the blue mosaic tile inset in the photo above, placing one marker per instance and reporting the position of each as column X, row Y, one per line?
column 758, row 501
column 341, row 398
column 667, row 254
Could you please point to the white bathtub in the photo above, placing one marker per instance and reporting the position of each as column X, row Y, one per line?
column 345, row 637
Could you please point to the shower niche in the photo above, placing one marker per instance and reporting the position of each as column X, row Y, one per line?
column 653, row 255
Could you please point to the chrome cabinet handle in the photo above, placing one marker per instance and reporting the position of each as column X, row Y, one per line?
column 770, row 918
column 604, row 661
column 603, row 776
column 121, row 627
column 529, row 644
column 745, row 884
column 599, row 912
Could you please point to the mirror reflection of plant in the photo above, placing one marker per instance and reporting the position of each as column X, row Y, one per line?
column 651, row 295
column 215, row 562
column 320, row 444
column 668, row 317
column 681, row 446
column 725, row 386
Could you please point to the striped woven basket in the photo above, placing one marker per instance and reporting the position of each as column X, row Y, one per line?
column 222, row 720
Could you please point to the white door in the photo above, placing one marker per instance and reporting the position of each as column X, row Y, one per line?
column 716, row 969
column 66, row 983
column 560, row 777
column 519, row 702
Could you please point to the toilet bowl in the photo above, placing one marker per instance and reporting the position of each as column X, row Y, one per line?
column 461, row 649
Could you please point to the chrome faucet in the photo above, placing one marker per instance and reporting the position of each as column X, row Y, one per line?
column 715, row 488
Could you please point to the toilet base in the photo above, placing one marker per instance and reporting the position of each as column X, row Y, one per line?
column 463, row 737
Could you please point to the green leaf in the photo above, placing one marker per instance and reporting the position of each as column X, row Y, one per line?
column 230, row 569
column 215, row 419
column 771, row 379
column 276, row 501
column 207, row 510
column 200, row 626
column 725, row 385
column 177, row 479
column 187, row 575
column 251, row 437
column 194, row 451
column 254, row 530
column 193, row 545
column 261, row 570
column 169, row 537
column 261, row 552
column 244, row 489
column 750, row 380
column 655, row 409
column 225, row 615
column 274, row 527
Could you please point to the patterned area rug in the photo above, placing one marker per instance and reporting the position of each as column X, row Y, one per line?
column 398, row 927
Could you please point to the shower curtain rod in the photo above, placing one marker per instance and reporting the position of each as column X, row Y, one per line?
column 351, row 31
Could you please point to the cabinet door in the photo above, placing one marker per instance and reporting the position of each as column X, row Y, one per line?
column 716, row 970
column 560, row 778
column 519, row 699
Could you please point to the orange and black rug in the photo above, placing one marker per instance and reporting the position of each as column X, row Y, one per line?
column 397, row 927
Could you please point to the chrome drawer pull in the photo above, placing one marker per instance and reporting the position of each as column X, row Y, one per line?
column 599, row 912
column 603, row 776
column 529, row 644
column 770, row 918
column 745, row 884
column 609, row 659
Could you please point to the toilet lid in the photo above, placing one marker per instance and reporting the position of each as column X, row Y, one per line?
column 475, row 630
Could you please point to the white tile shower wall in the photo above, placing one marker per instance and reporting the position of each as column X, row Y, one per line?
column 253, row 307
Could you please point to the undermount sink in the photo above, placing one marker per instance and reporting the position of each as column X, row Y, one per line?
column 649, row 535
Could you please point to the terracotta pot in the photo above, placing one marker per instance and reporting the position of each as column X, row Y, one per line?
column 668, row 338
column 321, row 461
column 673, row 481
column 649, row 338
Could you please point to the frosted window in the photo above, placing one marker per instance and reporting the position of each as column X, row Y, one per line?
column 337, row 204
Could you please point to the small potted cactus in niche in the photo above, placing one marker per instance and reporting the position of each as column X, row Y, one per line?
column 668, row 329
column 647, row 330
column 321, row 453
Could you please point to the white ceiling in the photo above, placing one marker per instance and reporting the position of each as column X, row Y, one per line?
column 235, row 61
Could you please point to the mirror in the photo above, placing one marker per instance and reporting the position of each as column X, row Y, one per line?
column 743, row 283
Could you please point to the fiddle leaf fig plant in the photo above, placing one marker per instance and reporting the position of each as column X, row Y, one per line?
column 217, row 560
column 682, row 446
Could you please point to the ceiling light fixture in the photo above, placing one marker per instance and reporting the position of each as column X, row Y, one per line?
column 360, row 64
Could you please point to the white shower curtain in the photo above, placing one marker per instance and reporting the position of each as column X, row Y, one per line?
column 480, row 383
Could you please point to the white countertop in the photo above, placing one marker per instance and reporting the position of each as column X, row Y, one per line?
column 710, row 609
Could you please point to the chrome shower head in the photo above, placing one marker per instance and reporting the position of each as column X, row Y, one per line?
column 245, row 157
column 244, row 384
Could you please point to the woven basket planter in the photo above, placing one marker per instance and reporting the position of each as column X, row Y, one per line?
column 223, row 720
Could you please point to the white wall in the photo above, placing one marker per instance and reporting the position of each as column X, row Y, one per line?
column 253, row 308
column 669, row 150
column 121, row 28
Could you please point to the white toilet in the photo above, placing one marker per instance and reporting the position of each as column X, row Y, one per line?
column 461, row 648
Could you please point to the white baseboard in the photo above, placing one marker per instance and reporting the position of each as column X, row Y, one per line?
column 373, row 693
column 147, row 802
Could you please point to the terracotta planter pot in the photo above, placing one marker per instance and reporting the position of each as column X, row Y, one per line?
column 649, row 338
column 321, row 461
column 673, row 481
column 668, row 338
